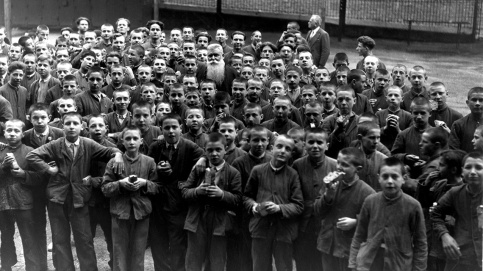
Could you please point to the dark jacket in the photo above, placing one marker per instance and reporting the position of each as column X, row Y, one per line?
column 319, row 47
column 29, row 137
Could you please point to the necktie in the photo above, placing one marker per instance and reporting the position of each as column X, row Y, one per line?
column 213, row 175
column 121, row 117
column 72, row 149
column 170, row 151
column 41, row 138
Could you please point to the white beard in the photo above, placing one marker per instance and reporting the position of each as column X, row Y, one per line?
column 216, row 71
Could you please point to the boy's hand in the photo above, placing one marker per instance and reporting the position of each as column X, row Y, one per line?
column 53, row 168
column 214, row 191
column 118, row 165
column 432, row 177
column 139, row 183
column 126, row 184
column 202, row 189
column 200, row 166
column 392, row 122
column 3, row 146
column 442, row 124
column 272, row 208
column 19, row 173
column 87, row 180
column 330, row 191
column 164, row 168
column 346, row 223
column 450, row 247
column 411, row 158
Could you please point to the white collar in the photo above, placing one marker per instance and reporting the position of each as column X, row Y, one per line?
column 219, row 167
column 76, row 143
column 45, row 133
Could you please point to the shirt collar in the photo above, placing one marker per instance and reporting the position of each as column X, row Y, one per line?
column 347, row 185
column 219, row 167
column 46, row 79
column 130, row 159
column 315, row 30
column 76, row 143
column 274, row 168
column 175, row 145
column 45, row 133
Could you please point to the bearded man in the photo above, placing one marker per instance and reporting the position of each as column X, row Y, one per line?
column 216, row 70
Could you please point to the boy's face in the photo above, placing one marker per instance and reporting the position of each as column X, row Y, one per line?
column 477, row 141
column 29, row 63
column 171, row 131
column 345, row 102
column 394, row 97
column 43, row 68
column 191, row 66
column 122, row 26
column 417, row 78
column 189, row 49
column 341, row 77
column 176, row 97
column 299, row 143
column 63, row 70
column 215, row 151
column 420, row 114
column 426, row 147
column 229, row 131
column 238, row 41
column 222, row 108
column 41, row 48
column 313, row 115
column 61, row 45
column 66, row 34
column 106, row 32
column 159, row 95
column 370, row 64
column 282, row 150
column 13, row 133
column 267, row 52
column 175, row 35
column 246, row 73
column 361, row 49
column 90, row 37
column 475, row 103
column 438, row 94
column 254, row 91
column 208, row 92
column 173, row 49
column 121, row 100
column 192, row 99
column 97, row 128
column 370, row 140
column 391, row 180
column 117, row 76
column 194, row 119
column 15, row 52
column 202, row 55
column 221, row 36
column 137, row 38
column 144, row 74
column 119, row 43
column 3, row 65
column 281, row 109
column 308, row 96
column 316, row 145
column 305, row 60
column 277, row 89
column 286, row 53
column 202, row 42
column 132, row 140
column 39, row 119
column 292, row 78
column 95, row 81
column 265, row 62
column 381, row 82
column 261, row 74
column 62, row 55
column 473, row 171
column 398, row 74
column 16, row 77
column 162, row 109
column 155, row 31
column 239, row 91
column 345, row 164
column 322, row 75
column 328, row 96
column 258, row 142
column 248, row 61
column 252, row 117
column 190, row 82
column 66, row 106
column 72, row 127
column 69, row 87
column 87, row 62
column 237, row 64
column 169, row 80
column 159, row 65
column 148, row 94
column 187, row 33
column 142, row 118
column 134, row 58
column 278, row 68
column 74, row 39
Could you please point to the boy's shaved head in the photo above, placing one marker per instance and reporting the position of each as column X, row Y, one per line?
column 475, row 90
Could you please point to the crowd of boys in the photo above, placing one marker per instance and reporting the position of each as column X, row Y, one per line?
column 238, row 156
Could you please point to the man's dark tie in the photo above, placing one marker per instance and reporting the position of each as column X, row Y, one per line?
column 170, row 151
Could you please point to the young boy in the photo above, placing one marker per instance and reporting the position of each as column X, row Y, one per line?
column 341, row 75
column 282, row 107
column 399, row 74
column 93, row 101
column 339, row 205
column 239, row 91
column 17, row 203
column 14, row 92
column 121, row 118
column 142, row 117
column 64, row 106
column 193, row 98
column 173, row 156
column 162, row 109
column 227, row 128
column 194, row 124
column 369, row 135
column 67, row 160
column 327, row 97
column 313, row 115
column 463, row 129
column 208, row 90
column 443, row 115
column 311, row 169
column 40, row 87
column 298, row 135
column 98, row 203
column 376, row 95
column 130, row 203
column 176, row 99
column 148, row 94
column 222, row 109
column 274, row 197
column 437, row 183
column 478, row 139
column 308, row 95
column 116, row 73
column 393, row 120
column 64, row 68
column 391, row 224
column 213, row 197
column 371, row 64
column 417, row 77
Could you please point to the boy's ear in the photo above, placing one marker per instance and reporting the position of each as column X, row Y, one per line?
column 28, row 117
column 359, row 168
column 261, row 116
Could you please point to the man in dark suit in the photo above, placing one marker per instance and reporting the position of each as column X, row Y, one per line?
column 319, row 41
column 256, row 39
